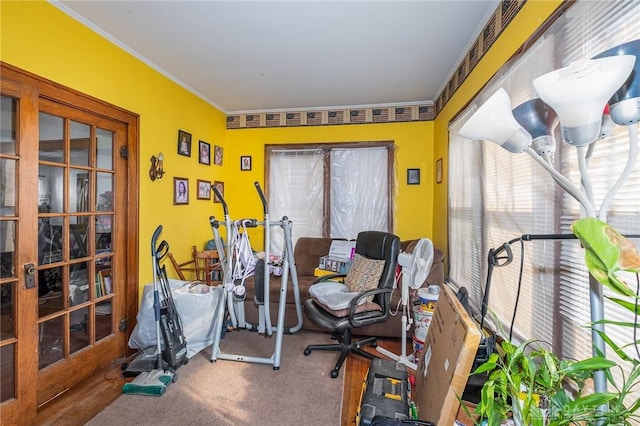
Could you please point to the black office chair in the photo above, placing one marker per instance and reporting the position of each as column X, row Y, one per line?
column 370, row 245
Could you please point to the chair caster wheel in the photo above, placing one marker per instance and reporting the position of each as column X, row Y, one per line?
column 276, row 368
column 334, row 374
column 174, row 378
column 307, row 351
column 374, row 344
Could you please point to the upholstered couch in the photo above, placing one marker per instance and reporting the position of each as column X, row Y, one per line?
column 307, row 253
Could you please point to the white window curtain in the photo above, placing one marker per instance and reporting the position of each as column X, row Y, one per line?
column 296, row 191
column 496, row 196
column 358, row 183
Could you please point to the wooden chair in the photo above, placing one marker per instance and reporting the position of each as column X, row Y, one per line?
column 205, row 265
column 208, row 268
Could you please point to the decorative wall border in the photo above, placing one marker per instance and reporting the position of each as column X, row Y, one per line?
column 321, row 117
column 503, row 15
column 426, row 111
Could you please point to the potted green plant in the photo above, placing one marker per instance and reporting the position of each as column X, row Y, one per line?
column 607, row 253
column 531, row 385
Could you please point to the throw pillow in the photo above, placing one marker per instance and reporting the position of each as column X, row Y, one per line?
column 364, row 274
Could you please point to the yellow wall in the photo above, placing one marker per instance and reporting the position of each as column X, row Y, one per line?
column 39, row 38
column 414, row 149
column 532, row 15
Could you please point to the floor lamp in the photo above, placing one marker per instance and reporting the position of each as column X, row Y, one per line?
column 578, row 94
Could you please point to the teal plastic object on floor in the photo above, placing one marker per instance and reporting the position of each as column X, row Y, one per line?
column 153, row 383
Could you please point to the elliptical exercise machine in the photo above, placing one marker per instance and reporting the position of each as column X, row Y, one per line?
column 232, row 298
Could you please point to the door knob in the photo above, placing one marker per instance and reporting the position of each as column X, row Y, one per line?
column 30, row 275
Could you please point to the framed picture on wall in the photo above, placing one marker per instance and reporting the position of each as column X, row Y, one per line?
column 184, row 143
column 204, row 190
column 220, row 187
column 413, row 176
column 204, row 152
column 180, row 190
column 217, row 155
column 439, row 170
column 245, row 163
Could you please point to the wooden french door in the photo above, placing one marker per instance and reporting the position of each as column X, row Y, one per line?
column 63, row 247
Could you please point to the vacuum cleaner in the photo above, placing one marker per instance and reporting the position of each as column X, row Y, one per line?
column 155, row 367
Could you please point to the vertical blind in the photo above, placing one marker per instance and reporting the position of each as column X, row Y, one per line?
column 496, row 196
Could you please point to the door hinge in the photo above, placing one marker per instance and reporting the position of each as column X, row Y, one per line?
column 124, row 151
column 123, row 324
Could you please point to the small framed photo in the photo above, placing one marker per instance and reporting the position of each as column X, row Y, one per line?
column 413, row 176
column 220, row 187
column 180, row 190
column 184, row 143
column 245, row 163
column 439, row 170
column 217, row 155
column 204, row 190
column 204, row 151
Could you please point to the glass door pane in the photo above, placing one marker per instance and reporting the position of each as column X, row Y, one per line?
column 51, row 138
column 80, row 141
column 62, row 281
column 8, row 227
column 75, row 221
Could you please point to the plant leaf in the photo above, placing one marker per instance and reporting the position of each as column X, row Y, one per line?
column 591, row 364
column 606, row 253
column 594, row 400
column 625, row 304
column 622, row 354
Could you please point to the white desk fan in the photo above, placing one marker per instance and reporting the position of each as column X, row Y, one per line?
column 415, row 269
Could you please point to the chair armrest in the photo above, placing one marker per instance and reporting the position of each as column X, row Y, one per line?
column 354, row 304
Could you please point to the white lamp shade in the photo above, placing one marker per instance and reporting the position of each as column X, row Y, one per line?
column 578, row 93
column 607, row 125
column 539, row 119
column 494, row 121
column 625, row 102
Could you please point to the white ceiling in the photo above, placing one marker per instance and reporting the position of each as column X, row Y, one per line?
column 249, row 56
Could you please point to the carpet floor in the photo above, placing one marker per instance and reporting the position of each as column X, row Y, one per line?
column 301, row 392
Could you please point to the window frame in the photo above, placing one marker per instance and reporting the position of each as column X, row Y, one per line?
column 595, row 28
column 326, row 149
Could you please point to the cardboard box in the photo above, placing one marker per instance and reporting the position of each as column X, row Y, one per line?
column 342, row 249
column 448, row 354
column 338, row 265
column 467, row 408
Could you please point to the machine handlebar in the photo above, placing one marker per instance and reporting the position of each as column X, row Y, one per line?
column 154, row 239
column 262, row 198
column 221, row 198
